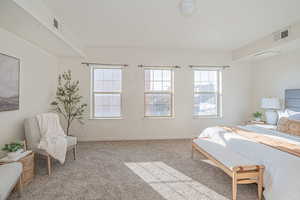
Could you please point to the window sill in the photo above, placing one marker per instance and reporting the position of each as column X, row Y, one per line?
column 105, row 118
column 208, row 117
column 150, row 117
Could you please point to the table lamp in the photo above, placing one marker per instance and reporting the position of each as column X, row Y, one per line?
column 270, row 105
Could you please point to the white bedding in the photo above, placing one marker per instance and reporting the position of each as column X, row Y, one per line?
column 282, row 174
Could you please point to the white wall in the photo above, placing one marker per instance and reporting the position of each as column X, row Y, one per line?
column 272, row 76
column 236, row 90
column 38, row 73
column 267, row 43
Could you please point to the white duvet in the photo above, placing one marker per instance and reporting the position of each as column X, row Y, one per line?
column 282, row 174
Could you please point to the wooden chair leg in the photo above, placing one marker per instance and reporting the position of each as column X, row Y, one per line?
column 49, row 164
column 234, row 186
column 260, row 183
column 20, row 186
column 74, row 152
column 192, row 155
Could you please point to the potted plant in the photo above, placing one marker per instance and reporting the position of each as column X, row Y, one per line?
column 13, row 149
column 68, row 101
column 257, row 116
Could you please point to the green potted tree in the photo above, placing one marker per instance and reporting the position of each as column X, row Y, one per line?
column 13, row 149
column 257, row 116
column 68, row 101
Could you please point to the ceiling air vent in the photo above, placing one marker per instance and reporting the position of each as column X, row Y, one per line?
column 55, row 23
column 279, row 35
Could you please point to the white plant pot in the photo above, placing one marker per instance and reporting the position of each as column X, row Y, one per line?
column 12, row 155
column 257, row 119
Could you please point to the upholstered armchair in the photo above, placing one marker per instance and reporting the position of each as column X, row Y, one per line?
column 33, row 136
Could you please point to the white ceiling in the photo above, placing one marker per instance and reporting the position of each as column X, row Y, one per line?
column 216, row 25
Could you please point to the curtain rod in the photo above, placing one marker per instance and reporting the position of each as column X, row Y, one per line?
column 208, row 66
column 87, row 63
column 170, row 66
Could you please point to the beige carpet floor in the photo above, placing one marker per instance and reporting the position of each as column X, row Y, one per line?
column 143, row 170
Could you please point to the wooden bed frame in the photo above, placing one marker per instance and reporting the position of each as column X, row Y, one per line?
column 239, row 174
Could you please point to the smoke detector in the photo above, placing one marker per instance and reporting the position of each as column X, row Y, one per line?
column 187, row 7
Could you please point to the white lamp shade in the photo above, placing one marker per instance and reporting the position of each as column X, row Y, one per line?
column 270, row 103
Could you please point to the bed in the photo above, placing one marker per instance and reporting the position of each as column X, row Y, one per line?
column 282, row 176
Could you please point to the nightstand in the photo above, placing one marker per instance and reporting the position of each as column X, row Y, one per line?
column 255, row 122
column 28, row 168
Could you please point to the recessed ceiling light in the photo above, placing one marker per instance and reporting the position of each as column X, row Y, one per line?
column 187, row 7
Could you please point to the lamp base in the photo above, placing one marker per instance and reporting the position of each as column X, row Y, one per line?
column 271, row 117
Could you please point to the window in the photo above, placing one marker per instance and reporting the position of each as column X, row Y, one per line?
column 106, row 92
column 158, row 92
column 207, row 93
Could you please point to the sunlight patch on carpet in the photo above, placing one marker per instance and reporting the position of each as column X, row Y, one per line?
column 172, row 184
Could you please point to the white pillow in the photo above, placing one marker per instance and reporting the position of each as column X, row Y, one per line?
column 293, row 114
column 282, row 113
column 289, row 114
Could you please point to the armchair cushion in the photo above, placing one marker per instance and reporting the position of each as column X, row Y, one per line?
column 71, row 141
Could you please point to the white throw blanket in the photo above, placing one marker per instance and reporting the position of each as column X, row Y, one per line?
column 53, row 139
column 281, row 178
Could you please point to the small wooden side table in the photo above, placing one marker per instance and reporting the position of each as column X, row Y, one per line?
column 252, row 122
column 28, row 168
